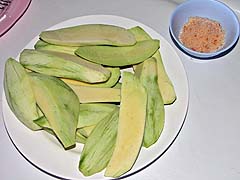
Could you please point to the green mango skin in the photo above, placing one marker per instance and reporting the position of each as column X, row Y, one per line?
column 59, row 104
column 63, row 65
column 164, row 82
column 19, row 94
column 139, row 33
column 155, row 105
column 43, row 122
column 91, row 113
column 119, row 56
column 42, row 45
column 99, row 146
column 89, row 34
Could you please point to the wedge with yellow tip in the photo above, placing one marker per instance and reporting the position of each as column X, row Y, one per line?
column 130, row 126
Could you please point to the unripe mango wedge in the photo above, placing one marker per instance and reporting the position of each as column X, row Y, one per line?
column 132, row 114
column 99, row 146
column 63, row 65
column 19, row 94
column 113, row 79
column 59, row 104
column 155, row 107
column 119, row 56
column 43, row 122
column 42, row 45
column 91, row 113
column 164, row 82
column 89, row 34
column 95, row 94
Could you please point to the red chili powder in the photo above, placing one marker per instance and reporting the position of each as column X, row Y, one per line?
column 202, row 35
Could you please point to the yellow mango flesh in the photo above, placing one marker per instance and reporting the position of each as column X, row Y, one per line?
column 94, row 94
column 130, row 128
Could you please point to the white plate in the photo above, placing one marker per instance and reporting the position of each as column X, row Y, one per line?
column 45, row 152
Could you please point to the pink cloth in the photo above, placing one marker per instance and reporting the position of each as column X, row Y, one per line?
column 9, row 17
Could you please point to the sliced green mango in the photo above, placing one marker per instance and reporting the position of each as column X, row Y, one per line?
column 91, row 113
column 99, row 146
column 139, row 33
column 130, row 127
column 63, row 65
column 94, row 94
column 43, row 122
column 164, row 82
column 42, row 45
column 19, row 94
column 119, row 56
column 115, row 75
column 155, row 106
column 59, row 104
column 89, row 34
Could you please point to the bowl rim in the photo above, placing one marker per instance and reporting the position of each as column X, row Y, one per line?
column 203, row 54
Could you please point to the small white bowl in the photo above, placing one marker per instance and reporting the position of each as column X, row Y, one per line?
column 213, row 10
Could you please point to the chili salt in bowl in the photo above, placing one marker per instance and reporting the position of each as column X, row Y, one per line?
column 213, row 10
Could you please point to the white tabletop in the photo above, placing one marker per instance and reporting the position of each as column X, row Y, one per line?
column 208, row 145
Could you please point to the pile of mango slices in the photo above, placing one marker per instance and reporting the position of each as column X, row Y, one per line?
column 73, row 85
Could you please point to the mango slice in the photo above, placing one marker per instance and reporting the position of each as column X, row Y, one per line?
column 165, row 84
column 43, row 122
column 19, row 94
column 132, row 114
column 119, row 56
column 94, row 94
column 113, row 79
column 63, row 65
column 91, row 113
column 42, row 45
column 99, row 146
column 155, row 106
column 59, row 104
column 89, row 34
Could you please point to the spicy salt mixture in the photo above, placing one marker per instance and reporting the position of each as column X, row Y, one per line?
column 202, row 35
